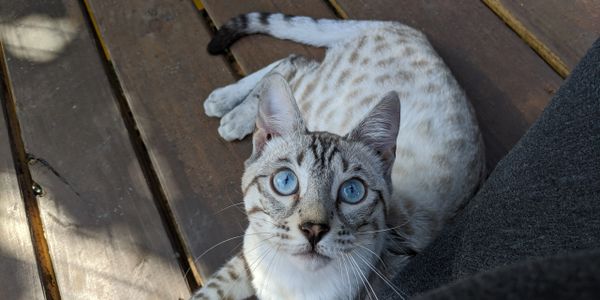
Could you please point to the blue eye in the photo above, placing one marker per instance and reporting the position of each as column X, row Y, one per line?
column 285, row 182
column 352, row 191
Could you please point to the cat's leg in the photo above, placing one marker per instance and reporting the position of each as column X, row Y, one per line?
column 240, row 121
column 224, row 99
column 232, row 281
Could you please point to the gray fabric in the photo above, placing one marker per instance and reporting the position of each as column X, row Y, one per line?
column 565, row 277
column 542, row 200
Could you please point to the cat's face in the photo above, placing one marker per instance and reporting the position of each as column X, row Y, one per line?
column 315, row 197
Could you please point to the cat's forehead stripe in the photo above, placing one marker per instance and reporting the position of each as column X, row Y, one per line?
column 300, row 158
column 323, row 148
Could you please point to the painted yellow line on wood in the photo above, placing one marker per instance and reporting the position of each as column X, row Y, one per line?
column 97, row 29
column 338, row 9
column 198, row 4
column 536, row 44
column 26, row 184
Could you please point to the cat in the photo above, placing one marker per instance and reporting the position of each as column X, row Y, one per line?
column 357, row 161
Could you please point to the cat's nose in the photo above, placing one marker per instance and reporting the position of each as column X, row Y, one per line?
column 314, row 232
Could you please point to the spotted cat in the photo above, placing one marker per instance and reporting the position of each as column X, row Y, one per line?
column 357, row 162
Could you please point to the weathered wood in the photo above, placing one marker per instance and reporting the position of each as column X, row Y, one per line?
column 508, row 84
column 19, row 277
column 255, row 52
column 104, row 232
column 166, row 74
column 560, row 31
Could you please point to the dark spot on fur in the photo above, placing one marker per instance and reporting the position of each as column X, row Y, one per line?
column 343, row 76
column 359, row 79
column 300, row 158
column 212, row 285
column 308, row 90
column 405, row 76
column 419, row 63
column 287, row 18
column 264, row 18
column 233, row 275
column 382, row 46
column 382, row 78
column 254, row 210
column 353, row 57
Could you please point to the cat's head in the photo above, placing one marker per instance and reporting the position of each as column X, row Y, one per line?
column 317, row 197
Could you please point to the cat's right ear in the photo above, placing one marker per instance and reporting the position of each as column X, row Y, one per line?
column 379, row 129
column 278, row 113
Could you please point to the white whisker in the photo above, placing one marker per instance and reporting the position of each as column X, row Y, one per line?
column 262, row 220
column 358, row 275
column 392, row 286
column 230, row 206
column 383, row 230
column 258, row 260
column 219, row 244
column 372, row 252
column 347, row 273
column 269, row 267
column 365, row 278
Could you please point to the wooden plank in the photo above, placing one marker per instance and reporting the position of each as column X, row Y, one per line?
column 165, row 74
column 508, row 84
column 104, row 232
column 255, row 52
column 560, row 31
column 19, row 277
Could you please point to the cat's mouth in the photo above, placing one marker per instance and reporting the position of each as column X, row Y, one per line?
column 312, row 255
column 310, row 260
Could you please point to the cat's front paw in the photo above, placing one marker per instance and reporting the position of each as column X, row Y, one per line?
column 222, row 101
column 239, row 122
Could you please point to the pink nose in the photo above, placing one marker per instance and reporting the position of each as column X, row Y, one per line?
column 314, row 232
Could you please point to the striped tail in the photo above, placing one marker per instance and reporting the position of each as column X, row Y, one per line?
column 306, row 30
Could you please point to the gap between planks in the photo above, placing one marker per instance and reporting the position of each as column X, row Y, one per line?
column 184, row 257
column 26, row 184
column 232, row 62
column 526, row 35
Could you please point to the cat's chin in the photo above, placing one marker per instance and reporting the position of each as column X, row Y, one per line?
column 310, row 260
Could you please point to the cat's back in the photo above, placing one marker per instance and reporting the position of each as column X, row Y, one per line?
column 439, row 157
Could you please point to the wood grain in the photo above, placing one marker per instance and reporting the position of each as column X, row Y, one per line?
column 104, row 232
column 166, row 73
column 19, row 278
column 508, row 84
column 255, row 52
column 560, row 31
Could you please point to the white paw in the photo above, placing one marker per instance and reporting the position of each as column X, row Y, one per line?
column 239, row 122
column 222, row 101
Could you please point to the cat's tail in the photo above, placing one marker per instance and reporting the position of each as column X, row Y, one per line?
column 306, row 30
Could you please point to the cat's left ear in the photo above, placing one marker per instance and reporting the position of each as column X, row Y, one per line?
column 379, row 129
column 278, row 113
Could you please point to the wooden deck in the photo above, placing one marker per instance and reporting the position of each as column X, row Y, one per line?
column 113, row 183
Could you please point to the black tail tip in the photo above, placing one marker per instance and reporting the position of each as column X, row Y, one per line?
column 222, row 40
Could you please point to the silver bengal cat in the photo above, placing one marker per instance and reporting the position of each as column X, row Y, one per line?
column 357, row 163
